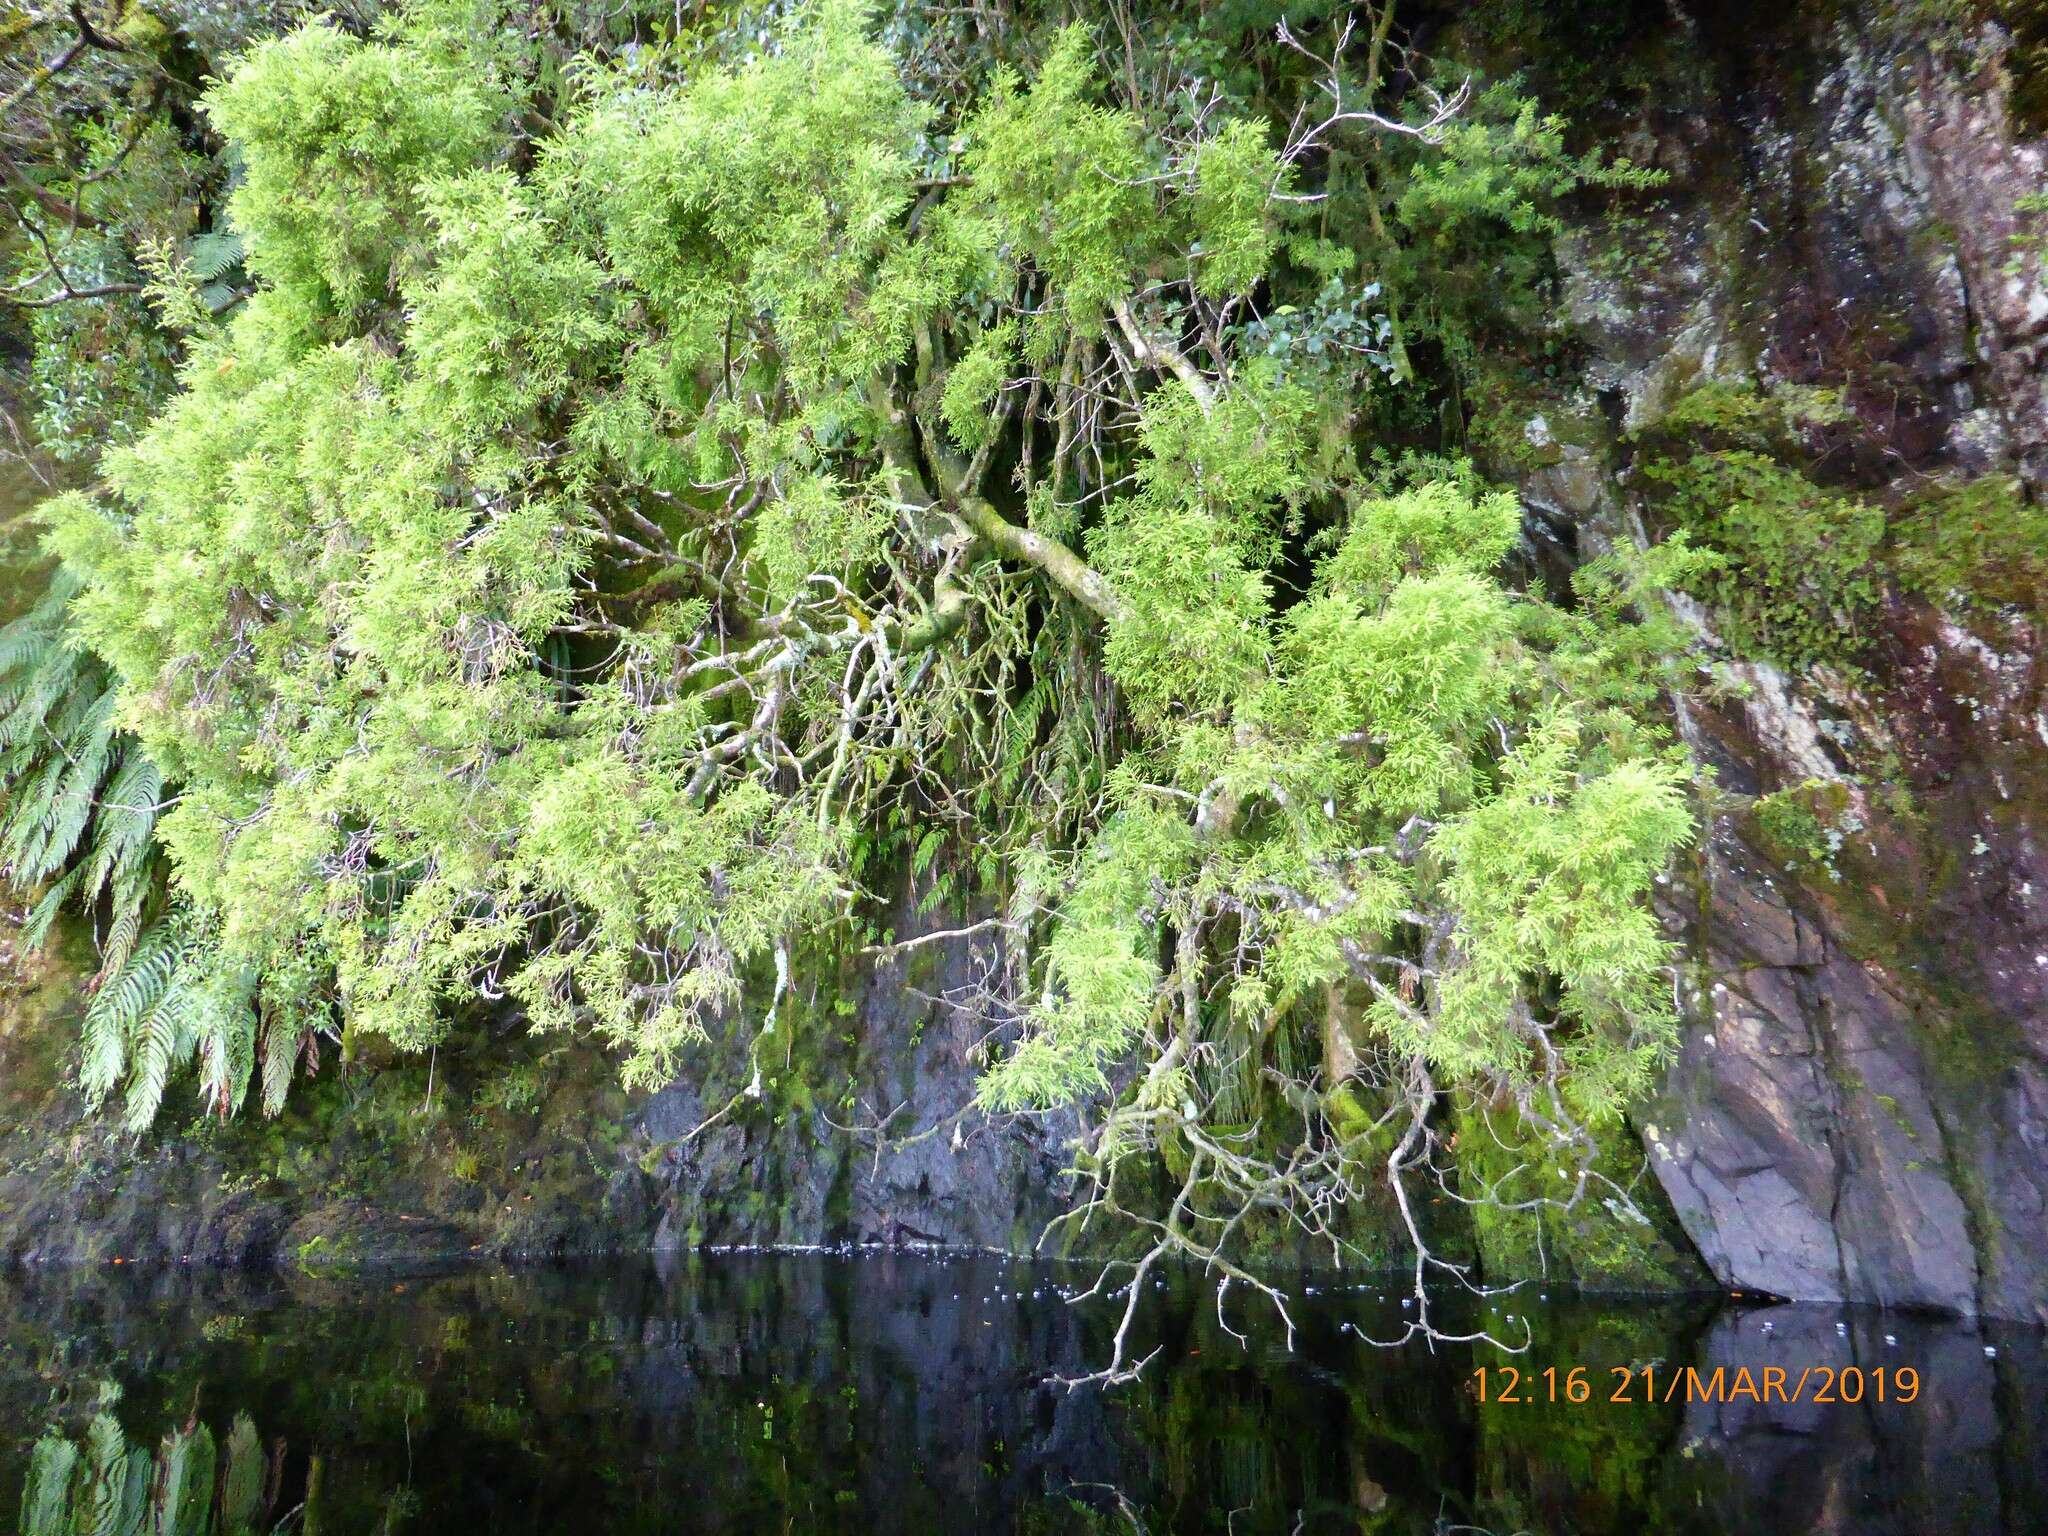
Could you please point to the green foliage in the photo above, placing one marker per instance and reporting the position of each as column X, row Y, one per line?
column 1549, row 875
column 1799, row 578
column 1465, row 254
column 98, row 370
column 1068, row 177
column 336, row 137
column 176, row 1002
column 1507, row 164
column 1385, row 700
column 1806, row 824
column 559, row 587
column 110, row 176
column 81, row 797
column 1235, row 178
column 79, row 829
column 1801, row 569
column 1974, row 541
column 973, row 383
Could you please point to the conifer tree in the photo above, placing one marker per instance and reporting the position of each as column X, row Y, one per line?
column 622, row 507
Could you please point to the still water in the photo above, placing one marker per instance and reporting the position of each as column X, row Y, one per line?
column 888, row 1392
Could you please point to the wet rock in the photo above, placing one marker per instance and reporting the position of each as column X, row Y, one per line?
column 902, row 1157
column 1857, row 1107
column 1984, row 184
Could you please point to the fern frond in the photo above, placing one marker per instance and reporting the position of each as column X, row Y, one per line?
column 224, row 1034
column 284, row 1033
column 127, row 817
column 24, row 645
column 86, row 756
column 166, row 1035
column 29, row 805
column 123, row 1002
column 214, row 255
column 37, row 928
column 131, row 891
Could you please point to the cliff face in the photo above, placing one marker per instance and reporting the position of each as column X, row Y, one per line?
column 859, row 1127
column 1860, row 1106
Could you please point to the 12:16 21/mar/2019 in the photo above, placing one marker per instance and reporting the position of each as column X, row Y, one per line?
column 1818, row 1384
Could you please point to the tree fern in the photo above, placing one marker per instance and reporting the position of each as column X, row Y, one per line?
column 214, row 255
column 58, row 749
column 78, row 823
column 44, row 912
column 79, row 801
column 127, row 810
column 175, row 1003
column 125, row 930
column 120, row 1006
column 290, row 1031
column 157, row 1043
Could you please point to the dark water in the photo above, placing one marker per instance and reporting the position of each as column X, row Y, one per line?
column 877, row 1393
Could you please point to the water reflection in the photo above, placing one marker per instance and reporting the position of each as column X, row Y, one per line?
column 891, row 1393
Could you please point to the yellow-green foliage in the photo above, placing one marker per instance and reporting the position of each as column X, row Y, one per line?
column 1067, row 176
column 337, row 136
column 558, row 585
column 1378, row 701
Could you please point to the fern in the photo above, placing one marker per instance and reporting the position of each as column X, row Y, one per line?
column 79, row 799
column 127, row 811
column 44, row 913
column 175, row 1002
column 79, row 822
column 291, row 1031
column 214, row 255
column 126, row 928
column 164, row 1031
column 119, row 1008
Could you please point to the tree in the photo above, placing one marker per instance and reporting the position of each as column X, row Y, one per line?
column 602, row 526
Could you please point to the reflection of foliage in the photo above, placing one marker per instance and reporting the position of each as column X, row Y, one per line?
column 827, row 1395
column 100, row 1483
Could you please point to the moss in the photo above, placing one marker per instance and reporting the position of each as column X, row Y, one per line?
column 1977, row 542
column 1800, row 582
column 1891, row 1107
column 1808, row 566
column 42, row 995
column 1600, row 1243
column 1805, row 826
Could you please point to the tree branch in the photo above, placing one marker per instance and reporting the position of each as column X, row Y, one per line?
column 1157, row 353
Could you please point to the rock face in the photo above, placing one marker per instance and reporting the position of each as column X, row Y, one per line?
column 520, row 1149
column 1860, row 1112
column 902, row 1155
column 1860, row 1107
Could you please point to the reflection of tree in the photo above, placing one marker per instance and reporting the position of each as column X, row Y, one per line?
column 101, row 1483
